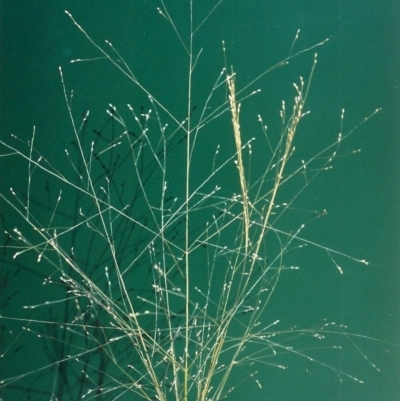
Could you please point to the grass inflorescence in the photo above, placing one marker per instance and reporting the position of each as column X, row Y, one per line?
column 164, row 267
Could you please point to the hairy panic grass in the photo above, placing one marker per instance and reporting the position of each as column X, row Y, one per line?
column 166, row 250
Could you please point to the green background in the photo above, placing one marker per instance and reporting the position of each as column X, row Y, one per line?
column 358, row 70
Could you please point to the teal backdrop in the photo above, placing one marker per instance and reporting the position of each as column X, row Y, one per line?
column 358, row 70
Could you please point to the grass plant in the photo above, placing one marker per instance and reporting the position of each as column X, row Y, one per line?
column 165, row 266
